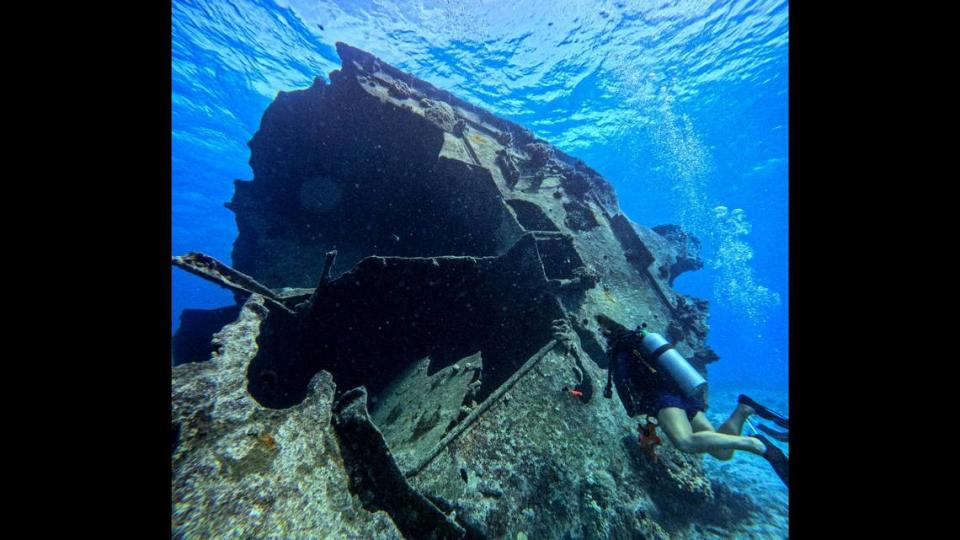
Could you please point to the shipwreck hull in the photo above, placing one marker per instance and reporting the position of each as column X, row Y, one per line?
column 423, row 279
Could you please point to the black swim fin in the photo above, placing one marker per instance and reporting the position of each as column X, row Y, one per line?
column 778, row 435
column 764, row 412
column 778, row 460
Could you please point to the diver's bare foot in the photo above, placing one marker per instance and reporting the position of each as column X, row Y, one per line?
column 758, row 445
column 746, row 409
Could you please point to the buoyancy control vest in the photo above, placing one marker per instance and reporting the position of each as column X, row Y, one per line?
column 645, row 352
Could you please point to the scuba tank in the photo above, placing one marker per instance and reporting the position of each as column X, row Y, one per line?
column 657, row 349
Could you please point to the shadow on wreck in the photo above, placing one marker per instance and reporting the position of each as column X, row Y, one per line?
column 368, row 325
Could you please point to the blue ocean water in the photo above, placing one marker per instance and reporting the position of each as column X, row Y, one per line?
column 681, row 105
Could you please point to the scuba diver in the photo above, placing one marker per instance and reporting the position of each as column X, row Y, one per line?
column 653, row 378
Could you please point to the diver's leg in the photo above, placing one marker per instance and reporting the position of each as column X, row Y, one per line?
column 734, row 424
column 674, row 423
column 700, row 423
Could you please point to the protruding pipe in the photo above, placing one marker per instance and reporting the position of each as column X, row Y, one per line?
column 217, row 272
column 327, row 266
column 324, row 279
